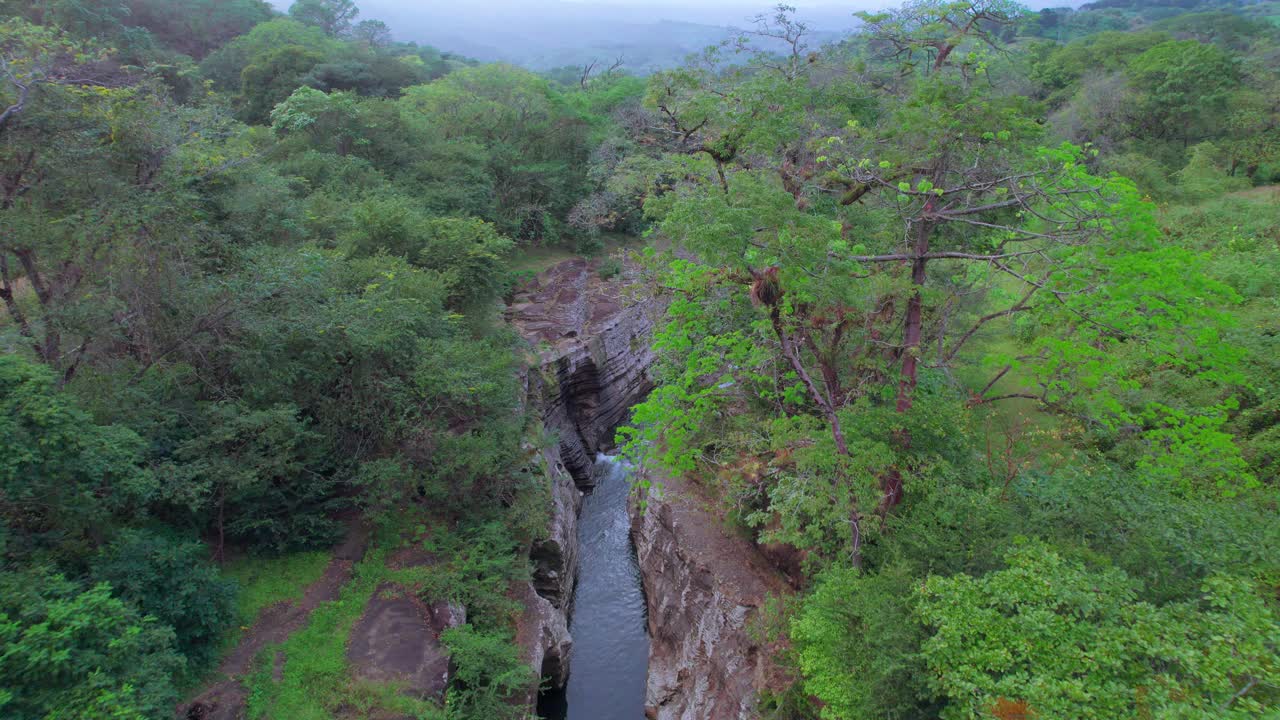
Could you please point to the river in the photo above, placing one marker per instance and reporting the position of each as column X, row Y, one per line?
column 610, row 641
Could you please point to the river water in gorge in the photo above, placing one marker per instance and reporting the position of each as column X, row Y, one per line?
column 610, row 641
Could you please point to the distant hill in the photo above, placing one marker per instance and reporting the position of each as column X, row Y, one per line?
column 544, row 34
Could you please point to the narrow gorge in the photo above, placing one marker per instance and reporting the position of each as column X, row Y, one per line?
column 702, row 586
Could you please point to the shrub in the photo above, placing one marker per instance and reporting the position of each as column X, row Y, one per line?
column 78, row 653
column 172, row 580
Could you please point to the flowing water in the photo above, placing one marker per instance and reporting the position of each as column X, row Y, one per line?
column 610, row 641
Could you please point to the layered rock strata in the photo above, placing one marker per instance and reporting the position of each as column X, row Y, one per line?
column 704, row 587
column 592, row 341
column 589, row 340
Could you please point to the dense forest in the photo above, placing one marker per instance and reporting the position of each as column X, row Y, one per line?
column 975, row 312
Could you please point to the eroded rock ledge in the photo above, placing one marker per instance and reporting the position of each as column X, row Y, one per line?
column 590, row 338
column 704, row 587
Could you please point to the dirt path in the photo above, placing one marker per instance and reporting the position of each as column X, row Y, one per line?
column 225, row 700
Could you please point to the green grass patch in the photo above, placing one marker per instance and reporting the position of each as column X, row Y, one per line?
column 477, row 566
column 537, row 259
column 317, row 681
column 265, row 581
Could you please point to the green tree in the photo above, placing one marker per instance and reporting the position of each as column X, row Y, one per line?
column 75, row 652
column 1184, row 87
column 172, row 581
column 271, row 78
column 334, row 17
column 534, row 147
column 1049, row 637
column 489, row 672
column 254, row 475
column 62, row 476
column 224, row 66
column 943, row 192
column 372, row 33
column 326, row 117
column 197, row 27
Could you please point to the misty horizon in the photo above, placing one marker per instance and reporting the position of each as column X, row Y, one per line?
column 554, row 33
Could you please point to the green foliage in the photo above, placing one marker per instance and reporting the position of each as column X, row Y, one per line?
column 857, row 654
column 1061, row 640
column 479, row 569
column 196, row 27
column 858, row 639
column 62, row 476
column 489, row 672
column 326, row 117
column 172, row 581
column 468, row 255
column 332, row 16
column 534, row 147
column 859, row 287
column 883, row 256
column 316, row 680
column 1185, row 86
column 1108, row 51
column 1206, row 175
column 263, row 581
column 255, row 474
column 77, row 652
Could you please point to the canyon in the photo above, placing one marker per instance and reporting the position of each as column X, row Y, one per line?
column 704, row 586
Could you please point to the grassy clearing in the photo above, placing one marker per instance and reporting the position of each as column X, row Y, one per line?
column 537, row 259
column 477, row 566
column 316, row 683
column 267, row 581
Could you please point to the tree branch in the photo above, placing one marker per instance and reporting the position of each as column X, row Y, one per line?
column 1017, row 307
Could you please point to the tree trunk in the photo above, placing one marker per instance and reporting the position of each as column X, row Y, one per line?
column 891, row 481
column 914, row 324
column 833, row 419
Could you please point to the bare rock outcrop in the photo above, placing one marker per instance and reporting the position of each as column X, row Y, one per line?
column 704, row 587
column 397, row 639
column 590, row 339
column 542, row 630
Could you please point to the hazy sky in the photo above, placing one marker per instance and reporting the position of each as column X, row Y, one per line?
column 720, row 12
column 550, row 33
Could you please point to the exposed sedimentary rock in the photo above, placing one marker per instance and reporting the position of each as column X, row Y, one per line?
column 590, row 340
column 704, row 586
column 398, row 639
column 542, row 631
column 555, row 557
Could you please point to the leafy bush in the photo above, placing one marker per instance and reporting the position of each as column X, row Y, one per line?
column 489, row 674
column 62, row 476
column 1058, row 640
column 479, row 567
column 171, row 580
column 78, row 653
column 857, row 645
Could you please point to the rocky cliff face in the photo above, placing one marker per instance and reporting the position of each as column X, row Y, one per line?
column 704, row 587
column 591, row 340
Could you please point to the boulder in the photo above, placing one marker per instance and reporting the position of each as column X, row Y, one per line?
column 397, row 639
